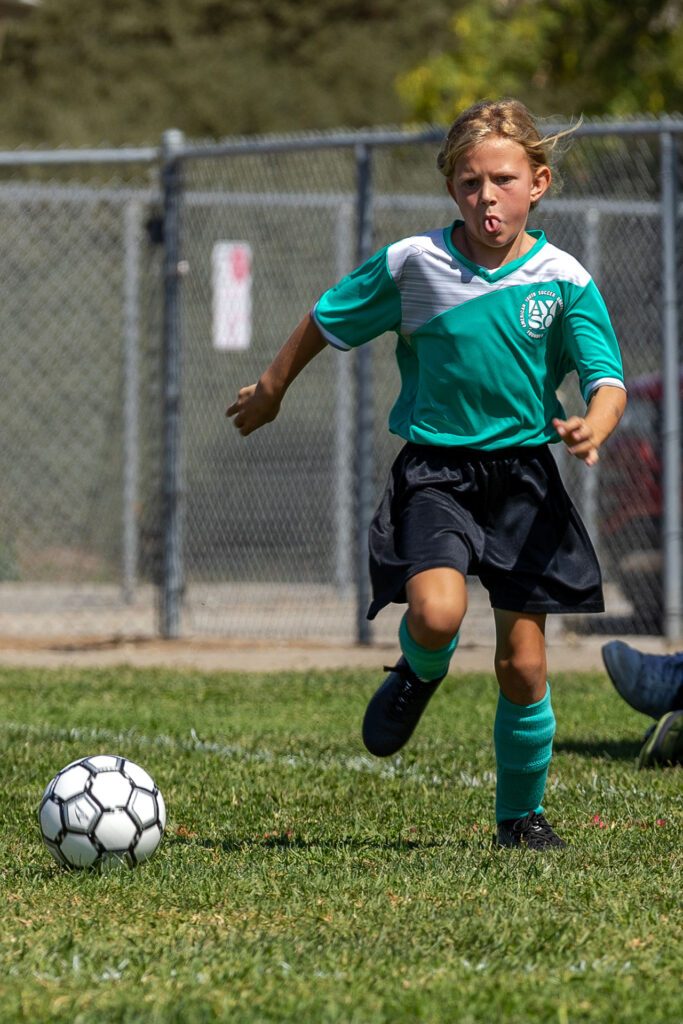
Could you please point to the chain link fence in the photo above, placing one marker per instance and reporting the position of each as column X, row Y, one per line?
column 80, row 323
column 131, row 507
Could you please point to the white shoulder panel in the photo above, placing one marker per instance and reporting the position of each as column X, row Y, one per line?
column 432, row 281
column 429, row 278
column 550, row 264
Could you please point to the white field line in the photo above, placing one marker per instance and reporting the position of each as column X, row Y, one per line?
column 395, row 768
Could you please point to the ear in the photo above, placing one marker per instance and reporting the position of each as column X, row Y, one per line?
column 540, row 182
column 451, row 188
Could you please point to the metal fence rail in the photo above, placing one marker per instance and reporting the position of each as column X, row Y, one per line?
column 130, row 506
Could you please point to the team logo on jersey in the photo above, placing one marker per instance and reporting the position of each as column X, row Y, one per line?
column 538, row 311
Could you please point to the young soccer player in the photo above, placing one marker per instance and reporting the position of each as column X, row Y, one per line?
column 490, row 318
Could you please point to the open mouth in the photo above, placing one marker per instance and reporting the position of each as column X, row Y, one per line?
column 492, row 224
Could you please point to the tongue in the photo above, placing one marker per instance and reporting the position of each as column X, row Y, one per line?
column 492, row 224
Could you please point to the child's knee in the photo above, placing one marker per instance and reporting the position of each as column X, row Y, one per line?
column 523, row 670
column 433, row 622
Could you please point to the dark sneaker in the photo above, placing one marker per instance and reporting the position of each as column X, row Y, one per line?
column 664, row 742
column 395, row 710
column 650, row 683
column 532, row 830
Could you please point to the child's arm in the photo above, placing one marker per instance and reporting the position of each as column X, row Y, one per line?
column 583, row 435
column 260, row 403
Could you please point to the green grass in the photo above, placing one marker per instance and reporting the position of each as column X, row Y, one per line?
column 301, row 880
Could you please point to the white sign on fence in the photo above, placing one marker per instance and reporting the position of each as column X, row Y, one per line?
column 231, row 273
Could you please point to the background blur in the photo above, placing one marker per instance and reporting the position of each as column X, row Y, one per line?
column 85, row 72
column 120, row 496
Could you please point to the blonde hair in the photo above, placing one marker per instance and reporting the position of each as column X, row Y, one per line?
column 506, row 118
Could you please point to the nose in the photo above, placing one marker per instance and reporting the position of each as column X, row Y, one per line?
column 487, row 194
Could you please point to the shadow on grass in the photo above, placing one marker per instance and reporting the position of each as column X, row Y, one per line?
column 613, row 750
column 284, row 842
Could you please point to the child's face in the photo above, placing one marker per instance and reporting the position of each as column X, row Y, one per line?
column 494, row 187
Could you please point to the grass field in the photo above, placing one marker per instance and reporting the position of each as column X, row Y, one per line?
column 301, row 880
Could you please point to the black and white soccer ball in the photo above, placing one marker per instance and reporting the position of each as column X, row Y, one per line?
column 102, row 810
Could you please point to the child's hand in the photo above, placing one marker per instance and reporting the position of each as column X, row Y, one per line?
column 254, row 407
column 579, row 438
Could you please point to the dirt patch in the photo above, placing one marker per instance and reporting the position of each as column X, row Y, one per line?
column 568, row 654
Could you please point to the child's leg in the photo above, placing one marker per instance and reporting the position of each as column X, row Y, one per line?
column 525, row 724
column 437, row 600
column 520, row 656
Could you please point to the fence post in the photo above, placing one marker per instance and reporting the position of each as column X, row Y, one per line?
column 131, row 345
column 343, row 417
column 364, row 404
column 172, row 510
column 671, row 373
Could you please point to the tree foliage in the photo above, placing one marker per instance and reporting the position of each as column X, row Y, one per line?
column 563, row 57
column 89, row 71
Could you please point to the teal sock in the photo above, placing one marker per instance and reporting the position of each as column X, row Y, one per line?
column 523, row 739
column 426, row 664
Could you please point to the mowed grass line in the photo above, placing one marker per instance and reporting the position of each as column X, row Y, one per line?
column 302, row 880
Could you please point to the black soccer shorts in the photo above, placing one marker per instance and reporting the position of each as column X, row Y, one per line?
column 503, row 516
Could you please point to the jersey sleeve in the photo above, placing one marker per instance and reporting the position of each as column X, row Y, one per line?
column 363, row 305
column 590, row 338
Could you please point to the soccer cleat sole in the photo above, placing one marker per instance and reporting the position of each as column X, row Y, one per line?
column 664, row 744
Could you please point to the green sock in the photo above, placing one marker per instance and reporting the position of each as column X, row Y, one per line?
column 523, row 740
column 426, row 664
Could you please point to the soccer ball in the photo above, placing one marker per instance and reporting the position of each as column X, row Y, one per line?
column 102, row 810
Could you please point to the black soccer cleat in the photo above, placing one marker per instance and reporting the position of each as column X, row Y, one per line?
column 532, row 831
column 663, row 742
column 395, row 710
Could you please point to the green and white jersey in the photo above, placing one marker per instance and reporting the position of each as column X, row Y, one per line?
column 481, row 352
